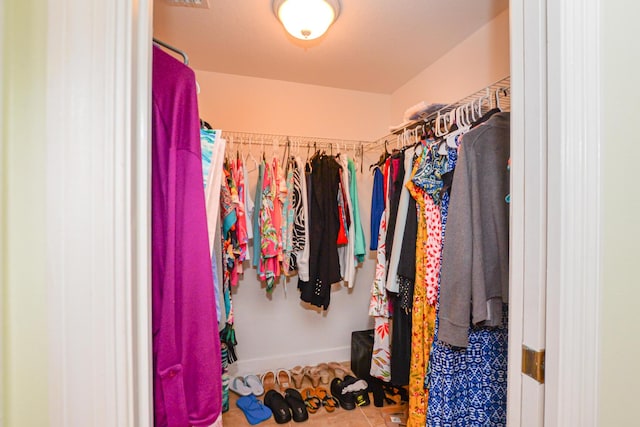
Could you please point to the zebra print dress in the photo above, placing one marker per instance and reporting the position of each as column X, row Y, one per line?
column 296, row 218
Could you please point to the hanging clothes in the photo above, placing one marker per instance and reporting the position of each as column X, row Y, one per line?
column 249, row 207
column 289, row 211
column 268, row 260
column 468, row 386
column 379, row 310
column 395, row 181
column 402, row 321
column 475, row 274
column 324, row 267
column 278, row 220
column 302, row 223
column 212, row 147
column 400, row 219
column 347, row 252
column 297, row 217
column 407, row 268
column 377, row 206
column 228, row 204
column 428, row 249
column 242, row 249
column 257, row 234
column 228, row 240
column 379, row 303
column 360, row 245
column 187, row 384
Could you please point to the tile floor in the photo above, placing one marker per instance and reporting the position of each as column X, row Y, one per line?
column 363, row 416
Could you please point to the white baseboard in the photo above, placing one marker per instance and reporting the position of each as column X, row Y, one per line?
column 288, row 361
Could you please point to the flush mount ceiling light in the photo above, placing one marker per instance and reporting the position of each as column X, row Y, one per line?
column 306, row 19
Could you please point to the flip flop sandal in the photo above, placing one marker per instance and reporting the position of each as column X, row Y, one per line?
column 254, row 384
column 253, row 409
column 329, row 402
column 283, row 379
column 298, row 406
column 312, row 401
column 268, row 380
column 238, row 386
column 279, row 407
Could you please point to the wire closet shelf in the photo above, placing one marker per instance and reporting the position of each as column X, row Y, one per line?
column 293, row 143
column 499, row 96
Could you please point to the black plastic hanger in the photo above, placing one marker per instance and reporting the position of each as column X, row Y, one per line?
column 205, row 125
column 383, row 157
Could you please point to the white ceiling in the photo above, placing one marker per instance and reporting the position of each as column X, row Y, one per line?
column 374, row 46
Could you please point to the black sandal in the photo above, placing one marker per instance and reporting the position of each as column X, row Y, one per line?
column 297, row 404
column 279, row 407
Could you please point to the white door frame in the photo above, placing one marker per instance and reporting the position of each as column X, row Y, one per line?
column 98, row 175
column 98, row 212
column 574, row 233
column 2, row 219
column 555, row 271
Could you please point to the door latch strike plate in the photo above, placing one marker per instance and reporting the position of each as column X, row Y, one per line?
column 533, row 363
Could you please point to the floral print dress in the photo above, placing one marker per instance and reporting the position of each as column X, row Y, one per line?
column 268, row 232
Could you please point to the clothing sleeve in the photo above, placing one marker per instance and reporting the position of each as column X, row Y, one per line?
column 360, row 244
column 455, row 280
column 377, row 207
column 400, row 222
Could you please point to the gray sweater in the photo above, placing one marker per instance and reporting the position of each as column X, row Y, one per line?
column 475, row 261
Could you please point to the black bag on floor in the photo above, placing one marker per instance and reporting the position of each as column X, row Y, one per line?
column 361, row 351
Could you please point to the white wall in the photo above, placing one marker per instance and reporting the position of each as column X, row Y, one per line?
column 22, row 234
column 279, row 330
column 252, row 104
column 481, row 59
column 620, row 347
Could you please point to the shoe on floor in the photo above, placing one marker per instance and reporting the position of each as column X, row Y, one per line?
column 238, row 386
column 254, row 384
column 253, row 409
column 279, row 407
column 346, row 399
column 359, row 388
column 297, row 405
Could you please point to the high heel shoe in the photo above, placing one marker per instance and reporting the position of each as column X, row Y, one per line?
column 297, row 375
column 314, row 375
column 323, row 370
column 339, row 370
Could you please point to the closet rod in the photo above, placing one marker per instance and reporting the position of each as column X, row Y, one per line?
column 501, row 86
column 266, row 140
column 180, row 52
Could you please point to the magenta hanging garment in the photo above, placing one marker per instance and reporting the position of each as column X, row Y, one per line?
column 187, row 384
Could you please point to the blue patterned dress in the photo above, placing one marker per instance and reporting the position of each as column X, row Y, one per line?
column 468, row 387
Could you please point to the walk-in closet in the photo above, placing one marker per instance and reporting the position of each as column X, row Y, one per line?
column 387, row 95
column 91, row 336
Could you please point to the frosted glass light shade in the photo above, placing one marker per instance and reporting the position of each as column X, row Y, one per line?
column 305, row 19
